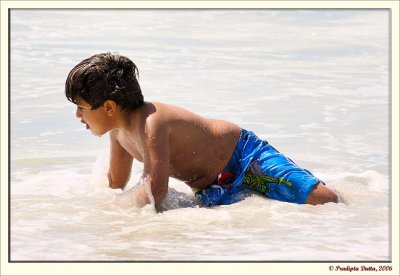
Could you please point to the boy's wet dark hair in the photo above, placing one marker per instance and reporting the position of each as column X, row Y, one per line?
column 102, row 77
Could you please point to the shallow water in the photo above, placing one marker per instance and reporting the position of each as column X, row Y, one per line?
column 314, row 83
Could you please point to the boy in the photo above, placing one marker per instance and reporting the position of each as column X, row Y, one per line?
column 217, row 159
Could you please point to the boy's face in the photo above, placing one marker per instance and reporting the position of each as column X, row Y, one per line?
column 95, row 119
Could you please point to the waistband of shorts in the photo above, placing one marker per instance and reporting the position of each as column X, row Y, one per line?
column 238, row 152
column 244, row 134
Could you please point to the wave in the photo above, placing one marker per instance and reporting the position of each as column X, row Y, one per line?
column 368, row 188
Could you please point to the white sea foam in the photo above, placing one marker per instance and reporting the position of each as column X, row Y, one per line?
column 85, row 200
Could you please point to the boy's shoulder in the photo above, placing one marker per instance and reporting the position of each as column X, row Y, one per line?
column 164, row 112
column 153, row 116
column 162, row 115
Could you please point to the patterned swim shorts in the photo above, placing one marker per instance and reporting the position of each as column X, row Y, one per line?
column 256, row 165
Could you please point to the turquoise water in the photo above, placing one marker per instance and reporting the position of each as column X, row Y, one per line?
column 314, row 83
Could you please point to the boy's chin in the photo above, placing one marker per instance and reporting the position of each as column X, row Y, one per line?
column 96, row 133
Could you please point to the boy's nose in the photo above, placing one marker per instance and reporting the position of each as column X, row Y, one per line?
column 78, row 113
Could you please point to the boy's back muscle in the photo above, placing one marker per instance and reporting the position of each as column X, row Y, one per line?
column 199, row 148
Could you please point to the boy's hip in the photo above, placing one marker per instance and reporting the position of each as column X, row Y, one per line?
column 258, row 166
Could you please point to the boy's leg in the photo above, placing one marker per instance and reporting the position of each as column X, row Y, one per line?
column 277, row 177
column 321, row 194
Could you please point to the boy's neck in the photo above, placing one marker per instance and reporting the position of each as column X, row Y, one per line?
column 127, row 120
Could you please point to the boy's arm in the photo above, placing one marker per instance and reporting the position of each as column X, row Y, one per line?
column 154, row 182
column 120, row 164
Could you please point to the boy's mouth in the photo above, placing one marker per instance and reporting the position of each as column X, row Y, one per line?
column 83, row 122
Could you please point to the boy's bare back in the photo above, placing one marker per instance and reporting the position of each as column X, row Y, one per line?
column 194, row 149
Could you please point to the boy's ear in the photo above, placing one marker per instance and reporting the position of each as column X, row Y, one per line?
column 110, row 107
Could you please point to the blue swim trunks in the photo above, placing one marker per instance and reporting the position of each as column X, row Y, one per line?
column 256, row 165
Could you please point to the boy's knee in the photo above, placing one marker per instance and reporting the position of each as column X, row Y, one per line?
column 320, row 194
column 332, row 197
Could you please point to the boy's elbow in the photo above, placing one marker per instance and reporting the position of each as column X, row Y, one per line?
column 115, row 184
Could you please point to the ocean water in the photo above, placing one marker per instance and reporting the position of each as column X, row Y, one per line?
column 314, row 83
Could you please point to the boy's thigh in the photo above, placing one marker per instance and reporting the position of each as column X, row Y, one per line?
column 277, row 177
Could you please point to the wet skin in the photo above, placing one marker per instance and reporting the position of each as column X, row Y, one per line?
column 171, row 142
